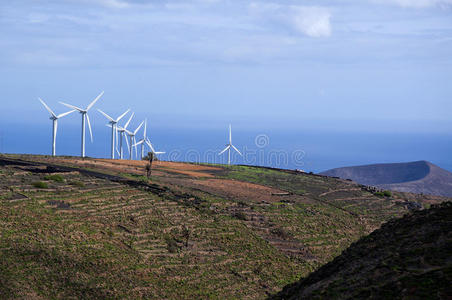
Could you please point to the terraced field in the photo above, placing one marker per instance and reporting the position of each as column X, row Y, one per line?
column 97, row 228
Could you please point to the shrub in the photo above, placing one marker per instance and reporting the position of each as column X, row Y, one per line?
column 55, row 177
column 77, row 183
column 172, row 245
column 240, row 215
column 280, row 233
column 383, row 194
column 40, row 185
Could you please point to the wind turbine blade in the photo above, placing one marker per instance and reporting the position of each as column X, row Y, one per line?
column 89, row 126
column 224, row 150
column 145, row 125
column 159, row 152
column 128, row 122
column 48, row 108
column 72, row 106
column 65, row 114
column 107, row 116
column 94, row 101
column 236, row 150
column 121, row 116
column 138, row 143
column 148, row 142
column 128, row 132
column 138, row 128
column 230, row 134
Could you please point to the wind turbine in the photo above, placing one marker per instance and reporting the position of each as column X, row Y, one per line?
column 229, row 146
column 122, row 131
column 113, row 123
column 84, row 113
column 132, row 139
column 145, row 140
column 54, row 118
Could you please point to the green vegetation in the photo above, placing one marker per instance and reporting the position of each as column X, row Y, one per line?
column 40, row 185
column 54, row 177
column 77, row 183
column 383, row 193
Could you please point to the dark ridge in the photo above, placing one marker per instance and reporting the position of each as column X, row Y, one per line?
column 420, row 177
column 383, row 173
column 407, row 258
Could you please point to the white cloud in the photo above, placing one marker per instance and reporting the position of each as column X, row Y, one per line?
column 416, row 3
column 113, row 3
column 312, row 21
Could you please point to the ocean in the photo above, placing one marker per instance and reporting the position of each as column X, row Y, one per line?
column 309, row 150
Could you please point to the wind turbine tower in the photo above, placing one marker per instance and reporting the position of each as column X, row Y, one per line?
column 84, row 113
column 114, row 130
column 54, row 119
column 122, row 131
column 229, row 146
column 132, row 140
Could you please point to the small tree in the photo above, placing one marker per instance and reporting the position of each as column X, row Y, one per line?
column 186, row 235
column 150, row 157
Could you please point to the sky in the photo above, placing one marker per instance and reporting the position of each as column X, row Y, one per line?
column 369, row 66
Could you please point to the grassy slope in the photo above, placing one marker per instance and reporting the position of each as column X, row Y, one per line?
column 408, row 258
column 93, row 238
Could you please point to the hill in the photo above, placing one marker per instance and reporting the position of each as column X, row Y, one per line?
column 408, row 258
column 419, row 177
column 97, row 228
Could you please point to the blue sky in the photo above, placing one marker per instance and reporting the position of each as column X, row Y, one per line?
column 369, row 65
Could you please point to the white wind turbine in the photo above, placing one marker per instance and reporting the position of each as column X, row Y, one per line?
column 229, row 146
column 122, row 131
column 145, row 140
column 114, row 131
column 132, row 139
column 84, row 113
column 54, row 118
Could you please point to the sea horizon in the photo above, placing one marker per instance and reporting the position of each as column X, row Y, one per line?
column 308, row 150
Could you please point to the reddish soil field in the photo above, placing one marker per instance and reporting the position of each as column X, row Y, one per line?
column 138, row 166
column 237, row 189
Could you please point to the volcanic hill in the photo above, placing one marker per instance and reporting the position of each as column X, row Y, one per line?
column 407, row 258
column 420, row 177
column 98, row 228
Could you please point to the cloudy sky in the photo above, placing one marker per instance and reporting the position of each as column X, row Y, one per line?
column 342, row 65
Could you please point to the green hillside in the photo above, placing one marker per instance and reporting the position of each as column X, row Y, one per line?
column 408, row 258
column 73, row 229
